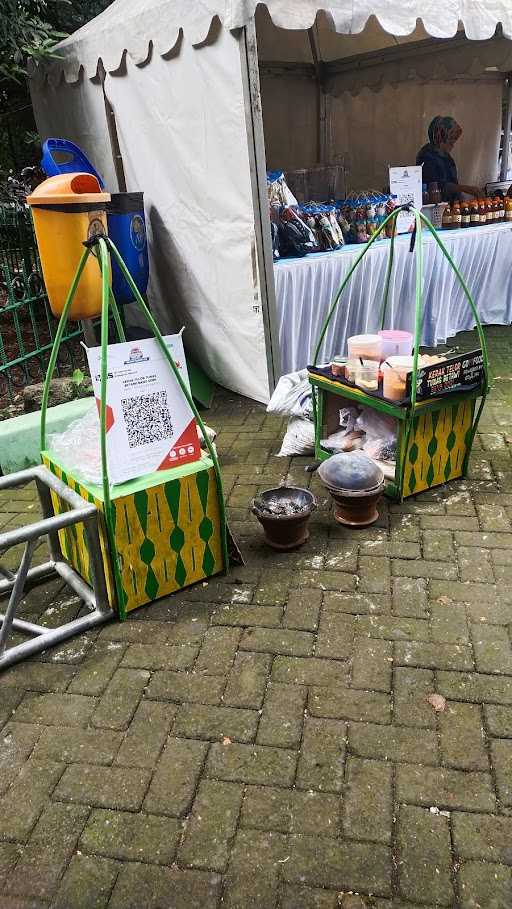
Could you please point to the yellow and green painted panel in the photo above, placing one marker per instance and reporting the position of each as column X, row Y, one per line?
column 167, row 533
column 438, row 446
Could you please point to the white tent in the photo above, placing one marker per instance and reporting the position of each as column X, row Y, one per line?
column 189, row 101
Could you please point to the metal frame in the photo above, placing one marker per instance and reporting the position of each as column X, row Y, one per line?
column 15, row 583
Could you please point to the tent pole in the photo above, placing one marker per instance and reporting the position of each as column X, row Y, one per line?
column 505, row 152
column 112, row 134
column 258, row 167
column 321, row 97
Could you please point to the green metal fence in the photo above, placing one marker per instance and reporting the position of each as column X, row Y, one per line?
column 27, row 327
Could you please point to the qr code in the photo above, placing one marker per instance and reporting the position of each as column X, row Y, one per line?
column 405, row 198
column 147, row 418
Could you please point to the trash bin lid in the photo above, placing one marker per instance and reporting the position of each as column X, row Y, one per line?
column 68, row 189
column 350, row 470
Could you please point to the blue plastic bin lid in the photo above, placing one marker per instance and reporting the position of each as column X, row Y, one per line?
column 77, row 163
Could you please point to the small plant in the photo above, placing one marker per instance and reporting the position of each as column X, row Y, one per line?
column 78, row 378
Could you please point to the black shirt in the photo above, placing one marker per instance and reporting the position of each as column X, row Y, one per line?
column 438, row 168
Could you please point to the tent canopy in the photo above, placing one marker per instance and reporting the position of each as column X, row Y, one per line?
column 139, row 28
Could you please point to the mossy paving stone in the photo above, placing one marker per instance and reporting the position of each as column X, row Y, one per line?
column 153, row 887
column 87, row 883
column 132, row 837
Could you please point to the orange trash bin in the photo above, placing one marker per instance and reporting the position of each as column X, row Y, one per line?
column 68, row 209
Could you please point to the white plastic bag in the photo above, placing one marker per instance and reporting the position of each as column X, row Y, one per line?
column 380, row 442
column 292, row 395
column 78, row 447
column 299, row 438
column 343, row 440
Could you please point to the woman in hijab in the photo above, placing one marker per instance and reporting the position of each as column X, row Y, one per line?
column 438, row 164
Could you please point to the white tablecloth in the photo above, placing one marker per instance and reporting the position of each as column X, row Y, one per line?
column 305, row 289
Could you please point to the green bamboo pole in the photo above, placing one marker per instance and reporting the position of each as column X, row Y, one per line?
column 56, row 346
column 337, row 297
column 418, row 309
column 388, row 274
column 117, row 316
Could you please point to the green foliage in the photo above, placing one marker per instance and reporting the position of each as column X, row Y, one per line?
column 28, row 29
column 78, row 377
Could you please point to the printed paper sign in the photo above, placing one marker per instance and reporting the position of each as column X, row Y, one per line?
column 406, row 184
column 150, row 425
column 459, row 373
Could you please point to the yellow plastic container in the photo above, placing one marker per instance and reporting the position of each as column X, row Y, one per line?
column 68, row 209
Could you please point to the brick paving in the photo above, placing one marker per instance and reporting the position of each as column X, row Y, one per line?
column 265, row 740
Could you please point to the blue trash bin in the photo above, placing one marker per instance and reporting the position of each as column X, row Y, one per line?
column 125, row 217
column 127, row 229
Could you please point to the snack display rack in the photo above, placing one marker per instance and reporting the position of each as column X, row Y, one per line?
column 434, row 435
column 161, row 532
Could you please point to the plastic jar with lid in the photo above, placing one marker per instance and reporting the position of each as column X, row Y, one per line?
column 394, row 377
column 395, row 343
column 368, row 347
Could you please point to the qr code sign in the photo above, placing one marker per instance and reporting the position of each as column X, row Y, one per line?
column 147, row 419
column 406, row 198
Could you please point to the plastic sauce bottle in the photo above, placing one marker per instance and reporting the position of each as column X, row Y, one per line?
column 466, row 215
column 474, row 214
column 482, row 208
column 456, row 216
column 447, row 218
column 501, row 208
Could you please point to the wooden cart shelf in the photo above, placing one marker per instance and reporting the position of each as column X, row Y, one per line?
column 437, row 447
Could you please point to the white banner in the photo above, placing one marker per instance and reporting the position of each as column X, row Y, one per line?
column 150, row 425
column 405, row 183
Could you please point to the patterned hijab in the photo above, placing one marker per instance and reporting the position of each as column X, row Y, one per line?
column 443, row 129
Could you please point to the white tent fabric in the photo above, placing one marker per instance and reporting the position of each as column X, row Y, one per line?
column 134, row 26
column 198, row 204
column 183, row 138
column 305, row 289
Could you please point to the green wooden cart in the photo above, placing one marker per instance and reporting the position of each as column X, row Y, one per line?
column 434, row 435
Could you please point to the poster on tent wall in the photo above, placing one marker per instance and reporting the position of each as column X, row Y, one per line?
column 405, row 183
column 150, row 425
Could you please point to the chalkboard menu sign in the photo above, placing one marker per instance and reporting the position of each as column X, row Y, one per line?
column 461, row 373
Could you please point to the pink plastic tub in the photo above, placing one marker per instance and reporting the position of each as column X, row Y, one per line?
column 396, row 343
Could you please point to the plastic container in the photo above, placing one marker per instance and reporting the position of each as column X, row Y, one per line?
column 367, row 375
column 126, row 223
column 338, row 366
column 434, row 213
column 394, row 377
column 351, row 368
column 366, row 346
column 396, row 343
column 68, row 209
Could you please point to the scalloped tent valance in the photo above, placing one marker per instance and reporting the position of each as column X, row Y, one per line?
column 137, row 27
